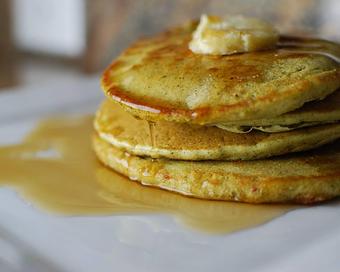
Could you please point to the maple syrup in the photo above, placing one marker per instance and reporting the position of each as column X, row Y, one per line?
column 55, row 169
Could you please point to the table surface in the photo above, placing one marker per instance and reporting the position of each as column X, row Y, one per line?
column 32, row 240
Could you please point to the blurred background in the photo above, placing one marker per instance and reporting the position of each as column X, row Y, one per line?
column 51, row 55
column 44, row 40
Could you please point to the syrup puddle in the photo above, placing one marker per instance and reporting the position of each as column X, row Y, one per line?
column 55, row 169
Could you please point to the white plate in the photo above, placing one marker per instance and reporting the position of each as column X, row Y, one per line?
column 33, row 241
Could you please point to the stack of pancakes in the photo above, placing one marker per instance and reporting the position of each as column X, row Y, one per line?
column 234, row 127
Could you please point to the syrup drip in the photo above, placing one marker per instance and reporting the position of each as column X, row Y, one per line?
column 151, row 132
column 55, row 169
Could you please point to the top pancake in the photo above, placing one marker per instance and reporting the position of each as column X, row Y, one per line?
column 159, row 78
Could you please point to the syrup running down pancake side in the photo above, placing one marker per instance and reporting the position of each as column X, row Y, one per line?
column 55, row 169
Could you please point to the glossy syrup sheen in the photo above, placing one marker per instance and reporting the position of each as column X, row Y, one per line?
column 303, row 45
column 55, row 169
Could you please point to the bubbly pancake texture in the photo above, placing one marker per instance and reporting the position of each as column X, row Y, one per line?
column 312, row 113
column 159, row 78
column 193, row 142
column 301, row 177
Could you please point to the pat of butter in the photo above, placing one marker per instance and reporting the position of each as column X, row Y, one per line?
column 234, row 34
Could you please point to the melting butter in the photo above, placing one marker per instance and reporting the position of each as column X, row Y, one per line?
column 55, row 169
column 234, row 34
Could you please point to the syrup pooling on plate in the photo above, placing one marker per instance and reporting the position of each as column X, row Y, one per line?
column 55, row 169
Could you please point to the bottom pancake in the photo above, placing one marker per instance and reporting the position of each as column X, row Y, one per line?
column 307, row 177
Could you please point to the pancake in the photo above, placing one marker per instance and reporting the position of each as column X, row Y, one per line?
column 193, row 142
column 301, row 177
column 159, row 78
column 311, row 114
